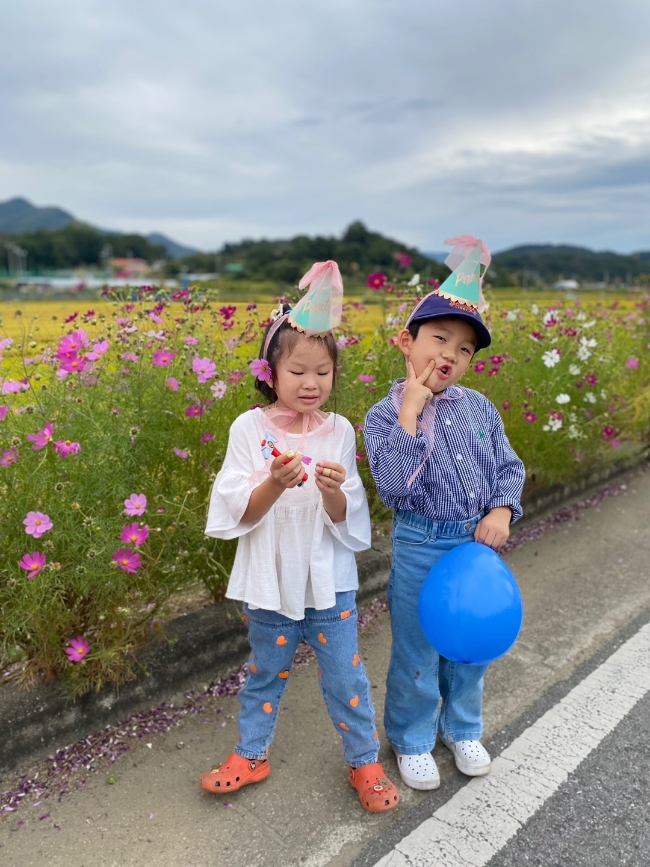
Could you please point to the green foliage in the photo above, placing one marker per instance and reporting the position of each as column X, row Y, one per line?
column 137, row 437
column 79, row 244
column 547, row 263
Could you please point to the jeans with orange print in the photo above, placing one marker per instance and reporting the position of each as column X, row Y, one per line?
column 332, row 633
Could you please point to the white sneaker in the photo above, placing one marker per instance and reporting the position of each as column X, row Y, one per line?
column 471, row 757
column 419, row 771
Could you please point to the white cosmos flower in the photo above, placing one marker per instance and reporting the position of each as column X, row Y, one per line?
column 583, row 353
column 589, row 324
column 574, row 370
column 562, row 398
column 535, row 309
column 511, row 316
column 574, row 432
column 415, row 279
column 551, row 358
column 590, row 397
column 555, row 423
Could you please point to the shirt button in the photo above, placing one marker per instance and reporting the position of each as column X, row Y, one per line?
column 447, row 421
column 459, row 457
column 472, row 495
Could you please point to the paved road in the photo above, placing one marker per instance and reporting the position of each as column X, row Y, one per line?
column 586, row 591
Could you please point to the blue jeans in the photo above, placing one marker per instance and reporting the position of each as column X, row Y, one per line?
column 418, row 677
column 332, row 633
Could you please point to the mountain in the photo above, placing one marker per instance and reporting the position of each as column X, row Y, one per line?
column 550, row 262
column 18, row 215
column 175, row 250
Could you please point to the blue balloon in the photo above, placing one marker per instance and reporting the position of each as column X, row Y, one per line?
column 470, row 605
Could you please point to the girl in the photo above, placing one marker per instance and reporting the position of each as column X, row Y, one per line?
column 290, row 491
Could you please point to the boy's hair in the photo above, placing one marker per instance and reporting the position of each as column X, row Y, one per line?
column 413, row 328
column 283, row 342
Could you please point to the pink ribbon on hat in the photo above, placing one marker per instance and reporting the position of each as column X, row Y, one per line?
column 427, row 424
column 319, row 269
column 463, row 246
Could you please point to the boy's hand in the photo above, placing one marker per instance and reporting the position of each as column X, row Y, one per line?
column 416, row 394
column 494, row 529
column 287, row 470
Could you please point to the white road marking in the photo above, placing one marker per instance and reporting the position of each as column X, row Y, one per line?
column 480, row 819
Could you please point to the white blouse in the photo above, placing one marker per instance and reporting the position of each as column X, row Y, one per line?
column 294, row 557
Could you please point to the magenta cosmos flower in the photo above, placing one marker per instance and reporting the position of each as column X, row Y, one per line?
column 36, row 523
column 190, row 340
column 608, row 432
column 163, row 357
column 183, row 454
column 632, row 363
column 32, row 563
column 8, row 457
column 3, row 412
column 261, row 369
column 530, row 417
column 377, row 280
column 63, row 448
column 194, row 411
column 173, row 384
column 206, row 438
column 127, row 560
column 42, row 437
column 136, row 504
column 403, row 260
column 205, row 369
column 479, row 367
column 133, row 534
column 365, row 377
column 77, row 648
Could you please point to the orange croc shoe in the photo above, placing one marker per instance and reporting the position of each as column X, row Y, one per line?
column 375, row 790
column 234, row 773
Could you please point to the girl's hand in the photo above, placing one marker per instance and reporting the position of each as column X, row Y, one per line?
column 416, row 394
column 287, row 470
column 494, row 529
column 329, row 476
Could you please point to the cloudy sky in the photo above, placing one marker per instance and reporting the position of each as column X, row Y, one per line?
column 515, row 120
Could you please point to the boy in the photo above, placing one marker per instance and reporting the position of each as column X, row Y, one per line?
column 440, row 457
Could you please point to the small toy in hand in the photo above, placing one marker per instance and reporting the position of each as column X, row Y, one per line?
column 270, row 448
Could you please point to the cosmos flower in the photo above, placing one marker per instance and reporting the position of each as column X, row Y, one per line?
column 9, row 457
column 261, row 369
column 551, row 358
column 36, row 523
column 173, row 384
column 136, row 504
column 77, row 648
column 134, row 534
column 377, row 280
column 194, row 411
column 163, row 357
column 183, row 454
column 365, row 377
column 127, row 560
column 205, row 369
column 63, row 448
column 33, row 563
column 218, row 389
column 42, row 437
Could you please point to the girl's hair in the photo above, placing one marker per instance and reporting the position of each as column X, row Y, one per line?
column 283, row 342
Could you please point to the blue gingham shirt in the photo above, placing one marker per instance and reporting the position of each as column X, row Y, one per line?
column 472, row 468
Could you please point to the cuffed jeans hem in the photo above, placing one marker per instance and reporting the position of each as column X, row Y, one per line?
column 462, row 736
column 368, row 759
column 246, row 754
column 413, row 751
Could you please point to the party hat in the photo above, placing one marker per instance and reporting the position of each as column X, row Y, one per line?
column 319, row 310
column 465, row 284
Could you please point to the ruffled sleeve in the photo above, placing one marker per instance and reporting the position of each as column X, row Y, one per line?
column 232, row 487
column 354, row 531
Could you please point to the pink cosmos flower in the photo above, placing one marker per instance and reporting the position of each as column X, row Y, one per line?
column 205, row 369
column 234, row 376
column 9, row 457
column 218, row 389
column 72, row 343
column 261, row 369
column 608, row 432
column 63, row 448
column 194, row 411
column 252, row 306
column 360, row 456
column 365, row 377
column 155, row 318
column 435, row 284
column 536, row 335
column 136, row 504
column 183, row 454
column 592, row 379
column 493, row 371
column 163, row 357
column 479, row 367
column 206, row 438
column 42, row 437
column 3, row 412
column 33, row 563
column 127, row 560
column 77, row 648
column 632, row 363
column 98, row 351
column 530, row 417
column 130, row 356
column 173, row 384
column 36, row 523
column 74, row 364
column 505, row 405
column 133, row 534
column 496, row 360
column 403, row 260
column 6, row 343
column 377, row 280
column 190, row 340
column 11, row 386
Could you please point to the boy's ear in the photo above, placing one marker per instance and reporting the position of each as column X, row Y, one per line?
column 405, row 341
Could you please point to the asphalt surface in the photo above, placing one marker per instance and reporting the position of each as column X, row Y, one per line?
column 585, row 587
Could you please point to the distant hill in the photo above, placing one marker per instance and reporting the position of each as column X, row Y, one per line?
column 18, row 215
column 549, row 262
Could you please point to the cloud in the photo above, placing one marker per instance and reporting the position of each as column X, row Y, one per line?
column 519, row 119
